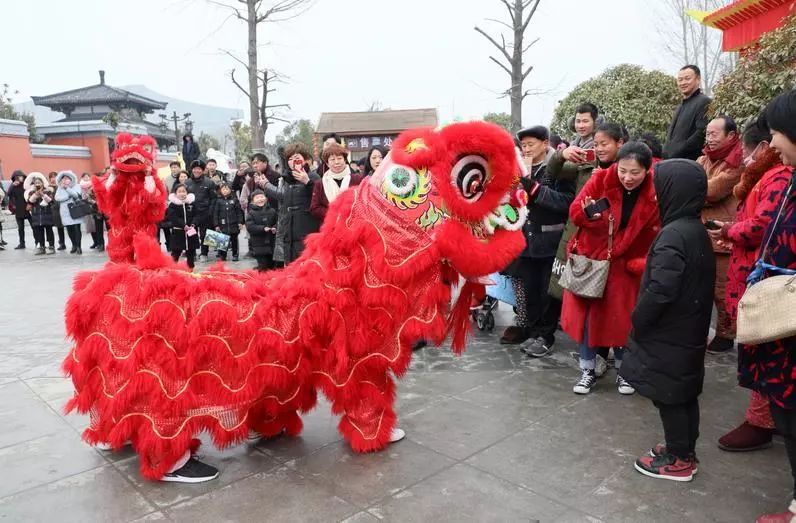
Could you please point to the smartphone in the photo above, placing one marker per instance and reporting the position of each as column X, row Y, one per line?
column 711, row 225
column 597, row 207
column 591, row 156
column 298, row 165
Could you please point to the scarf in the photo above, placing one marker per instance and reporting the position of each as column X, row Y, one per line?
column 583, row 143
column 730, row 153
column 755, row 171
column 330, row 186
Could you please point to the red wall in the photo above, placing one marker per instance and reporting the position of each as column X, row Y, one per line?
column 15, row 154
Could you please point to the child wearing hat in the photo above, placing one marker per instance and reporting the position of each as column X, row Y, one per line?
column 227, row 217
column 261, row 225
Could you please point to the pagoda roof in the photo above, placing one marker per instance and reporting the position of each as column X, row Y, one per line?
column 376, row 121
column 741, row 11
column 100, row 93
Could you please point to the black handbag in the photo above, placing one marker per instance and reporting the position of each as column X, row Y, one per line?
column 79, row 208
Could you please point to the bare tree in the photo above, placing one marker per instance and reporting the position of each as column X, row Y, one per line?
column 512, row 52
column 260, row 80
column 693, row 43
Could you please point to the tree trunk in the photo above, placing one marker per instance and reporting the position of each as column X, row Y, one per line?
column 258, row 138
column 516, row 70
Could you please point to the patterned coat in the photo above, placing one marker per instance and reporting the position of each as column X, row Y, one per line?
column 770, row 368
column 760, row 190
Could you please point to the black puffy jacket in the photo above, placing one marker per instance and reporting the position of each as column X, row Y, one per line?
column 258, row 218
column 666, row 360
column 204, row 190
column 227, row 215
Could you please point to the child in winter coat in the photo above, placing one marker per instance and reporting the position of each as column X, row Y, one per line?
column 671, row 320
column 39, row 197
column 227, row 217
column 180, row 218
column 261, row 225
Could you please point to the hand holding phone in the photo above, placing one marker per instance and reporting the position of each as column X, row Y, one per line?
column 591, row 156
column 595, row 208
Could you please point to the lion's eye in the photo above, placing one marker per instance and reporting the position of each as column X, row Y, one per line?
column 470, row 176
column 148, row 148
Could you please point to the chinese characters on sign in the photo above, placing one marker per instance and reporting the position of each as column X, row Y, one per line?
column 363, row 143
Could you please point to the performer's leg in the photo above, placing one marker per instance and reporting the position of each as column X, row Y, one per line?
column 368, row 416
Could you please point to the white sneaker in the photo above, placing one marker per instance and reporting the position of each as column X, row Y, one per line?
column 106, row 447
column 397, row 435
column 587, row 380
column 624, row 387
column 600, row 366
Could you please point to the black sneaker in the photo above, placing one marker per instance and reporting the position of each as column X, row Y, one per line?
column 194, row 471
column 235, row 258
column 537, row 348
column 720, row 345
column 62, row 247
column 19, row 247
column 587, row 380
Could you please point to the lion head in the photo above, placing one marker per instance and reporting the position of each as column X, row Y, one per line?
column 458, row 185
column 134, row 154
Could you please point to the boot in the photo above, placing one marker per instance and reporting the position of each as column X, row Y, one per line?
column 61, row 246
column 19, row 247
column 746, row 437
column 50, row 250
column 720, row 345
column 39, row 250
column 513, row 335
column 74, row 250
column 79, row 250
column 100, row 248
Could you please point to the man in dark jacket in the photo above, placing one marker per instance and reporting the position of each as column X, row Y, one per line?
column 190, row 150
column 18, row 205
column 548, row 210
column 686, row 135
column 204, row 191
column 666, row 361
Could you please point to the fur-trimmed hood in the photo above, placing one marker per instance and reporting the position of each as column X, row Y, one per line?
column 755, row 171
column 61, row 175
column 28, row 183
column 176, row 201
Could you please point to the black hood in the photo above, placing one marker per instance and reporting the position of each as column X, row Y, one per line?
column 681, row 187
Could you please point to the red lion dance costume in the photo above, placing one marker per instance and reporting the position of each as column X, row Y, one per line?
column 161, row 353
column 133, row 199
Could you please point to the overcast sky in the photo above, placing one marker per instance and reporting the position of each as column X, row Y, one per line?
column 341, row 55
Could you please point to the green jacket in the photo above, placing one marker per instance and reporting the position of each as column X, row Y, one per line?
column 560, row 169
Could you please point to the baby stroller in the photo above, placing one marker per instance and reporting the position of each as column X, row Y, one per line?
column 500, row 289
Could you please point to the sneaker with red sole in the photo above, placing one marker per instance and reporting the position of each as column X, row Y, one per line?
column 666, row 466
column 660, row 450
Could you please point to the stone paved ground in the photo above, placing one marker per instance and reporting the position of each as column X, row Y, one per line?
column 492, row 436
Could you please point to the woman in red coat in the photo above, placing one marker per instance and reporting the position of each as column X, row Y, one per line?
column 760, row 189
column 336, row 178
column 633, row 216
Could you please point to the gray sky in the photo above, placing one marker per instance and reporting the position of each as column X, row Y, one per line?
column 340, row 55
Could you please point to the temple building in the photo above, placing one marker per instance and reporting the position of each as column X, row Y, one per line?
column 743, row 22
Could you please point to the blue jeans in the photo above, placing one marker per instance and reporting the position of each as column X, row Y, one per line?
column 588, row 355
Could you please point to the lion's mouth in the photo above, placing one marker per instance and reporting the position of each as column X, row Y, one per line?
column 509, row 215
column 133, row 158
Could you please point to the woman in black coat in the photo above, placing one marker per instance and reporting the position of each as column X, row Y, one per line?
column 180, row 217
column 18, row 205
column 666, row 361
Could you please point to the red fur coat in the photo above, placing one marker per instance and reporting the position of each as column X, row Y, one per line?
column 609, row 317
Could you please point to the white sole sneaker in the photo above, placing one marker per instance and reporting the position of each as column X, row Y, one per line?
column 106, row 447
column 684, row 479
column 397, row 435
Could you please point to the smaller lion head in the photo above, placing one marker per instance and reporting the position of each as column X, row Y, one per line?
column 134, row 154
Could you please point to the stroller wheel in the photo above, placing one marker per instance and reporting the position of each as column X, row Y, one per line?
column 481, row 322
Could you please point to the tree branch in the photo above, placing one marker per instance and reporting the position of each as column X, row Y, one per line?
column 530, row 15
column 277, row 105
column 244, row 64
column 244, row 91
column 282, row 7
column 527, row 72
column 512, row 14
column 235, row 10
column 501, row 65
column 530, row 45
column 494, row 42
column 501, row 23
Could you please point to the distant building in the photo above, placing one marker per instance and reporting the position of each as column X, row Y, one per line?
column 85, row 108
column 363, row 130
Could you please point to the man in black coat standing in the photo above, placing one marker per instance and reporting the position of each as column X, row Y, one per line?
column 686, row 136
column 666, row 361
column 204, row 191
column 18, row 205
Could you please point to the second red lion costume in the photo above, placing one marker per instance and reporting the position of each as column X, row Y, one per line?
column 130, row 195
column 162, row 354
